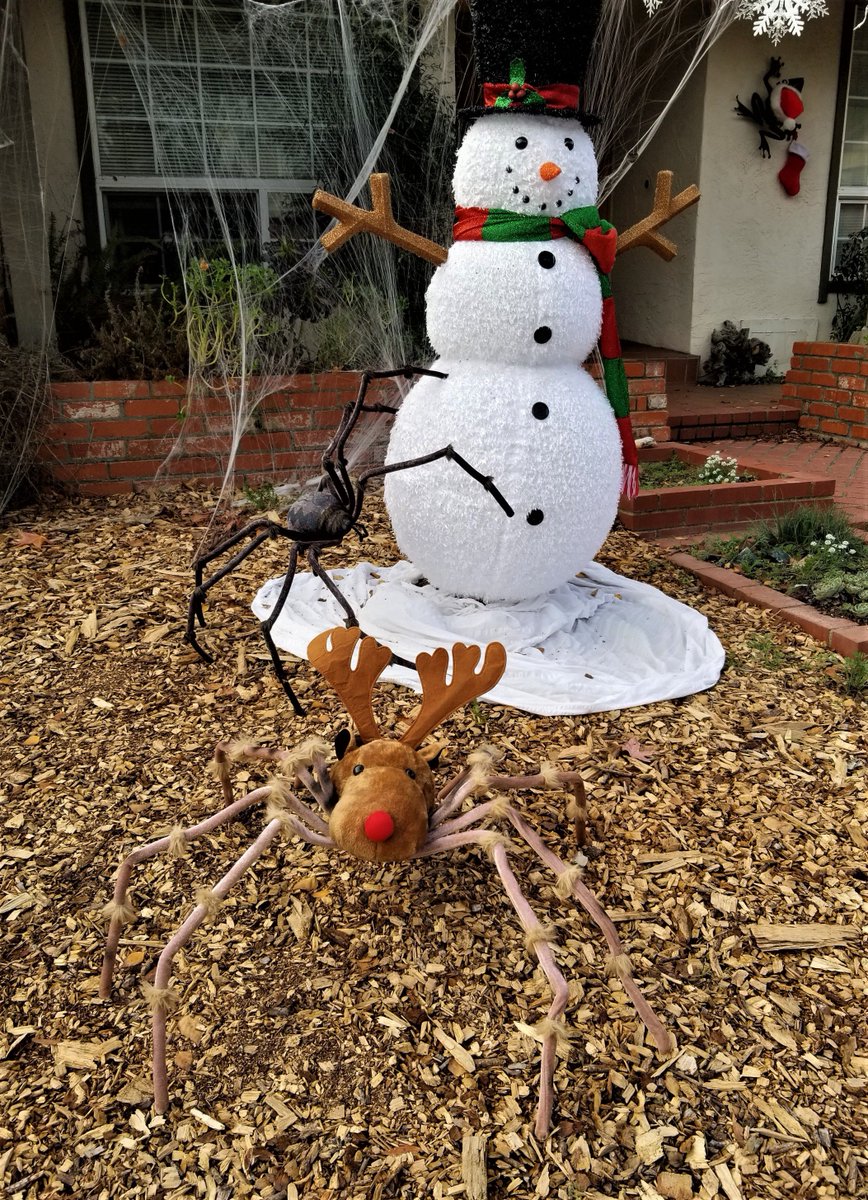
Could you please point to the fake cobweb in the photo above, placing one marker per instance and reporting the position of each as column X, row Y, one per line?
column 210, row 123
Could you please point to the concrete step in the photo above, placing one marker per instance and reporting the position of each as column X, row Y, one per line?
column 703, row 414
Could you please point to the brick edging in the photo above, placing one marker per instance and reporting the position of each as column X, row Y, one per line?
column 843, row 636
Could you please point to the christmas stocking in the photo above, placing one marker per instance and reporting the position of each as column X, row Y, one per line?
column 797, row 156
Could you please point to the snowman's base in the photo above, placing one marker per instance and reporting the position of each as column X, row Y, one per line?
column 597, row 643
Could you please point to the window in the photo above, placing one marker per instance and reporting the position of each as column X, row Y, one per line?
column 847, row 210
column 183, row 101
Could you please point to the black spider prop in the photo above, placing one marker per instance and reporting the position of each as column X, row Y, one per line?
column 765, row 111
column 320, row 518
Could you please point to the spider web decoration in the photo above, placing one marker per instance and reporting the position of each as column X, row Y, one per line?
column 777, row 18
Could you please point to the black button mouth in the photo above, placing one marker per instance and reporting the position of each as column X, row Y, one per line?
column 535, row 516
column 540, row 410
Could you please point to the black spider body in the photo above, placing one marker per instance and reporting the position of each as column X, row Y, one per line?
column 318, row 515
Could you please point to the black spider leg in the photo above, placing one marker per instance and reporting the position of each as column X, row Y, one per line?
column 449, row 453
column 323, row 575
column 267, row 529
column 334, row 462
column 267, row 625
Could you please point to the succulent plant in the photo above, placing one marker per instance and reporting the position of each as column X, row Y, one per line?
column 830, row 585
column 851, row 587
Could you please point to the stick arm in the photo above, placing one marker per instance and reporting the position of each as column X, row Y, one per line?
column 644, row 232
column 377, row 220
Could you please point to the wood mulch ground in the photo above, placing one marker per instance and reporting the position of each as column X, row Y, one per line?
column 313, row 1053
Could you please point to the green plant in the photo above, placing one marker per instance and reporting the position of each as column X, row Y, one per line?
column 227, row 309
column 850, row 279
column 263, row 497
column 734, row 357
column 800, row 527
column 811, row 552
column 343, row 340
column 767, row 652
column 854, row 672
column 137, row 339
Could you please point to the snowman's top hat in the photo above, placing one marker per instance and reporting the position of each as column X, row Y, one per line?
column 533, row 54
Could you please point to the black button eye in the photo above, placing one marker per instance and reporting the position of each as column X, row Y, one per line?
column 411, row 772
column 521, row 143
column 546, row 259
column 569, row 143
column 358, row 768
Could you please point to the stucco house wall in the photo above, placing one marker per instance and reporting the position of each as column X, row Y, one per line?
column 748, row 252
column 40, row 171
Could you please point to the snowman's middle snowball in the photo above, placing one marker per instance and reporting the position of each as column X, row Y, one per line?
column 561, row 473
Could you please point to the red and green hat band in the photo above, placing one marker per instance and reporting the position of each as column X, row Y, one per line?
column 523, row 97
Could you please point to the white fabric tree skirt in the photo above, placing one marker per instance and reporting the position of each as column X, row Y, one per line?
column 597, row 643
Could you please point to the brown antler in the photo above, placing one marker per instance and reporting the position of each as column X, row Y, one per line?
column 379, row 221
column 440, row 698
column 332, row 653
column 643, row 233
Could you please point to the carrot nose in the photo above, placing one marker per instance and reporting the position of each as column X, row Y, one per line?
column 379, row 826
column 549, row 170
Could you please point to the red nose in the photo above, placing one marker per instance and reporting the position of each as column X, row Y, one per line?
column 379, row 826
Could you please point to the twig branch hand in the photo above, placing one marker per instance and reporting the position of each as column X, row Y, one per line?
column 644, row 232
column 377, row 220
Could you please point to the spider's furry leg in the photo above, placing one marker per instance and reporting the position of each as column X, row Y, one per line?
column 323, row 575
column 159, row 995
column 577, row 809
column 569, row 883
column 455, row 833
column 226, row 753
column 537, row 939
column 120, row 911
column 267, row 625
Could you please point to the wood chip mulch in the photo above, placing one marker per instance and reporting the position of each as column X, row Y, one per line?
column 350, row 1031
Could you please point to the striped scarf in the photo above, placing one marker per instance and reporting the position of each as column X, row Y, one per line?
column 600, row 239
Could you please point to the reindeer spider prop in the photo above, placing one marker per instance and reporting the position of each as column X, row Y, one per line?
column 380, row 805
column 321, row 517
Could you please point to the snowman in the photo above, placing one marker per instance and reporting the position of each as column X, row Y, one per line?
column 514, row 309
column 512, row 314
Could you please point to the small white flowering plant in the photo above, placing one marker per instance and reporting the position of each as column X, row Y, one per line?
column 834, row 546
column 717, row 469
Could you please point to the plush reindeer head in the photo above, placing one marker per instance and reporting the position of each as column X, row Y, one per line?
column 383, row 788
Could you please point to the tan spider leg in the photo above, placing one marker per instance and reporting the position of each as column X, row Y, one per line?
column 454, row 833
column 160, row 994
column 120, row 911
column 560, row 991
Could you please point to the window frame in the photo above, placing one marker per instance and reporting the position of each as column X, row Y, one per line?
column 107, row 183
column 828, row 286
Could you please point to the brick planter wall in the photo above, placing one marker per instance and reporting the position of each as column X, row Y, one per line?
column 703, row 508
column 113, row 437
column 830, row 382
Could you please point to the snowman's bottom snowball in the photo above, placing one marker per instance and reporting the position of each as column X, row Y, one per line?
column 559, row 470
column 593, row 644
